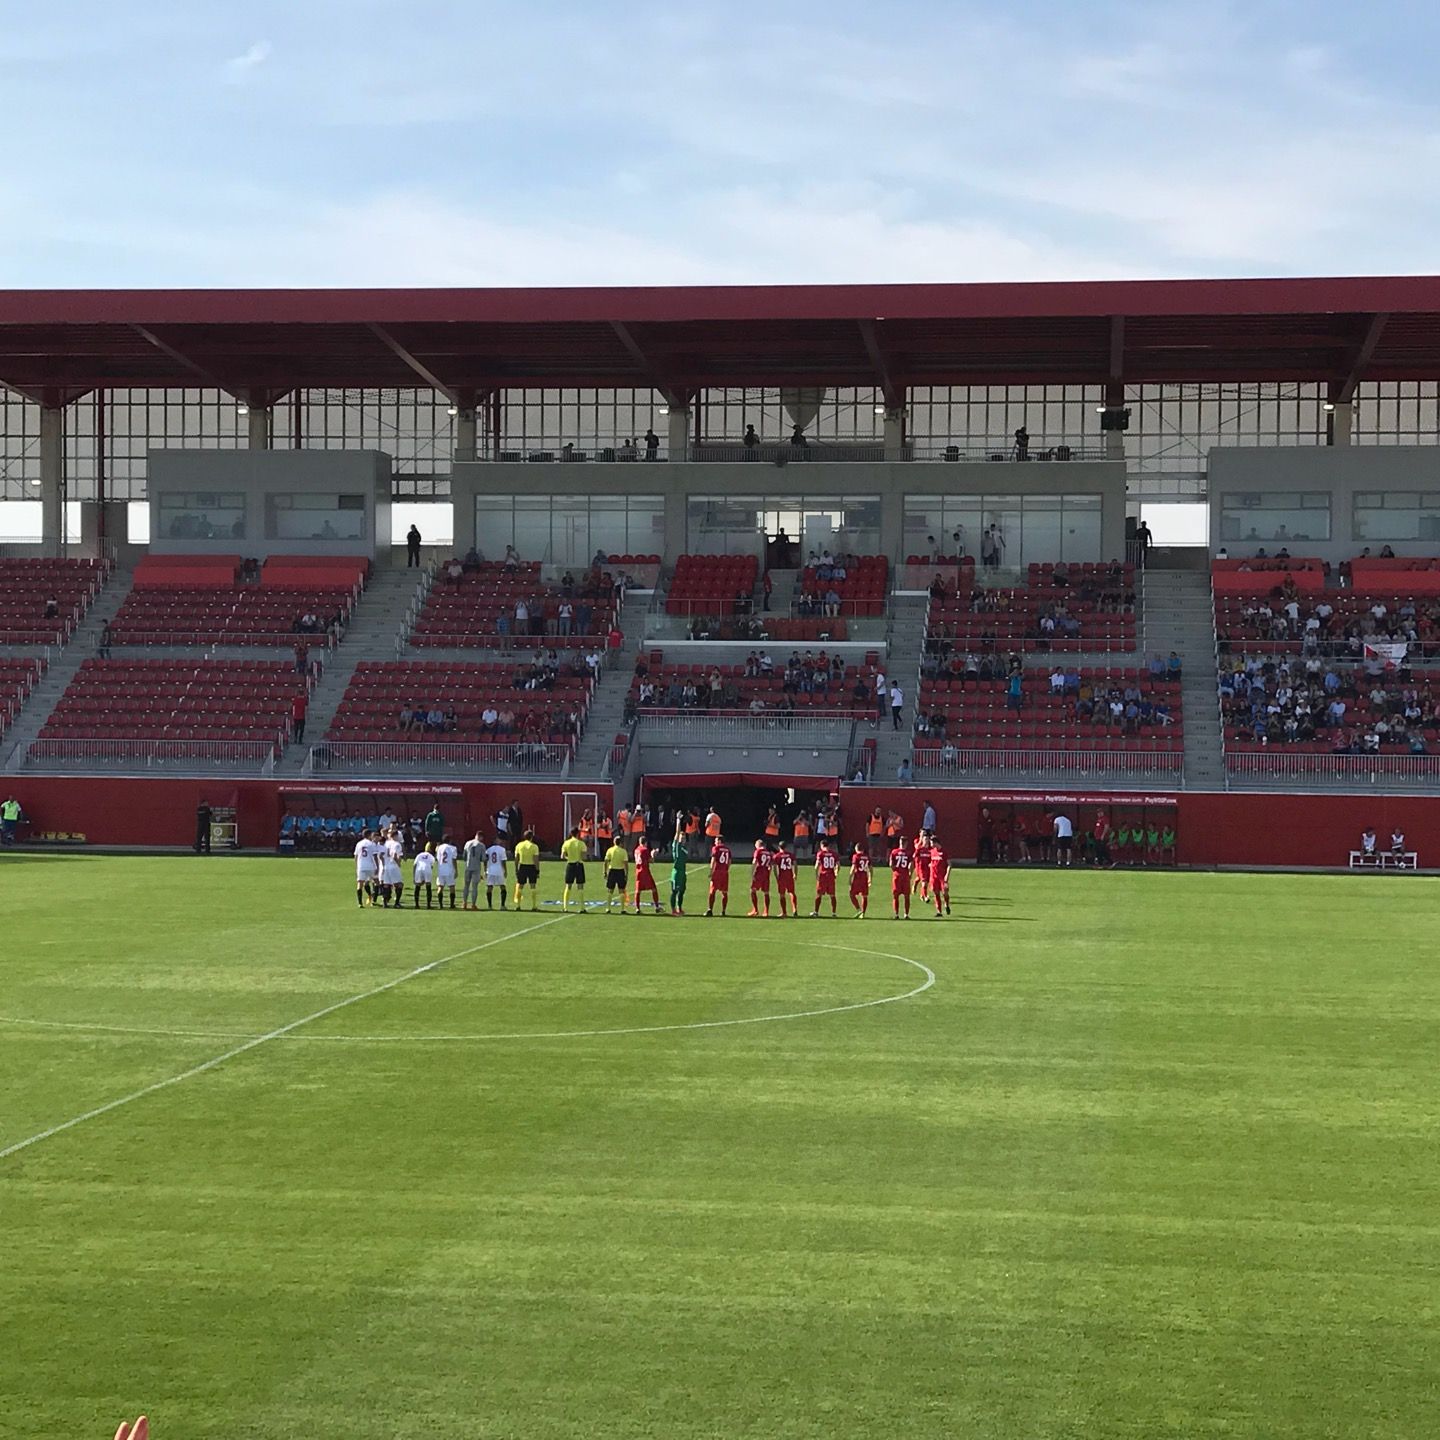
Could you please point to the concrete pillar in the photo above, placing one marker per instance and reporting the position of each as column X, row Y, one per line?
column 1338, row 424
column 1115, row 445
column 895, row 432
column 52, row 480
column 260, row 427
column 678, row 442
column 465, row 433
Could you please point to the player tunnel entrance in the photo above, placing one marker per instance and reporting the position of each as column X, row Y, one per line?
column 743, row 799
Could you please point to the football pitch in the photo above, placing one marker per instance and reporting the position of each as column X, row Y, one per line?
column 1102, row 1155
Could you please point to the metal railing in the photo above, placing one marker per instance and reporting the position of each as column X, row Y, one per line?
column 153, row 753
column 811, row 721
column 406, row 756
column 939, row 763
column 1282, row 764
column 1005, row 451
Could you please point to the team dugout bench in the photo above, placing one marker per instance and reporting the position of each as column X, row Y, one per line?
column 1384, row 860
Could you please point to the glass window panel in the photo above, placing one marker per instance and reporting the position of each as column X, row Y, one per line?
column 315, row 517
column 1397, row 515
column 201, row 515
column 1283, row 516
column 1081, row 536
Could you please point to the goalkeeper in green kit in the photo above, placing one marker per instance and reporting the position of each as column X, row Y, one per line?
column 678, row 856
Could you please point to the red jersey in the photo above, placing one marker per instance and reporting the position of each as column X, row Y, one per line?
column 939, row 868
column 900, row 867
column 720, row 864
column 784, row 863
column 859, row 871
column 827, row 864
column 922, row 858
column 761, row 860
column 642, row 860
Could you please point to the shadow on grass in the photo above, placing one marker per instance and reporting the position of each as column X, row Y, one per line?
column 44, row 857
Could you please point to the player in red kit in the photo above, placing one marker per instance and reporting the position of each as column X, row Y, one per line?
column 827, row 867
column 939, row 876
column 784, row 863
column 922, row 864
column 644, row 880
column 761, row 863
column 860, row 881
column 902, row 864
column 719, row 877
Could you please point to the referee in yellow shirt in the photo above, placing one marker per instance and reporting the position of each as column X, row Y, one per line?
column 617, row 862
column 527, row 868
column 573, row 853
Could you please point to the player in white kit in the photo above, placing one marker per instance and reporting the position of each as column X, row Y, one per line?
column 424, row 874
column 473, row 859
column 392, row 878
column 495, row 863
column 367, row 874
column 445, row 857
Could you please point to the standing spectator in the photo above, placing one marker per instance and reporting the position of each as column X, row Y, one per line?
column 104, row 648
column 9, row 820
column 202, row 828
column 1143, row 542
column 986, row 850
column 1022, row 444
column 897, row 705
column 1064, row 838
column 751, row 442
column 435, row 825
column 412, row 547
column 652, row 444
column 766, row 586
column 297, row 719
column 927, row 820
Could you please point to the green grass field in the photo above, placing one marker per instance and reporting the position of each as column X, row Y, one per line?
column 1155, row 1155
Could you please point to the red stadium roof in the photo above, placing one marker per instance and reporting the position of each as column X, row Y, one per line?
column 55, row 345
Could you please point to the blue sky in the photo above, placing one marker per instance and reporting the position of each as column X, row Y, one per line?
column 430, row 143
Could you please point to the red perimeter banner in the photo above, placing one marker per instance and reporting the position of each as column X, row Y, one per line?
column 1045, row 797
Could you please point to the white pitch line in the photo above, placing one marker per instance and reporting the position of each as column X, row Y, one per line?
column 201, row 1069
column 517, row 1034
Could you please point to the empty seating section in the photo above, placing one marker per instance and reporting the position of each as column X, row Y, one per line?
column 232, row 614
column 144, row 701
column 384, row 696
column 1108, row 709
column 809, row 683
column 27, row 588
column 711, row 584
column 1069, row 608
column 495, row 606
column 849, row 585
column 17, row 679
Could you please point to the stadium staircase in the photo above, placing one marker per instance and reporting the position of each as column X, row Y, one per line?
column 606, row 716
column 904, row 645
column 1179, row 614
column 64, row 666
column 376, row 630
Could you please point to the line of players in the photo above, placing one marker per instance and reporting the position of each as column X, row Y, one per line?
column 380, row 882
column 923, row 867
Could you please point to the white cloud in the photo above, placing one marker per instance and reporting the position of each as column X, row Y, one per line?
column 238, row 67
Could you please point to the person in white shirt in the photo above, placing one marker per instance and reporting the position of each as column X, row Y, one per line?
column 897, row 705
column 1064, row 839
column 473, row 858
column 392, row 878
column 1397, row 844
column 367, row 876
column 423, row 872
column 1367, row 846
column 445, row 858
column 495, row 864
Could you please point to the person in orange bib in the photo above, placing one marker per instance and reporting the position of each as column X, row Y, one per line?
column 772, row 825
column 712, row 826
column 692, row 831
column 875, row 834
column 802, row 834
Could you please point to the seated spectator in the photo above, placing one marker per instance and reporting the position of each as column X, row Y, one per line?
column 454, row 572
column 1172, row 666
column 52, row 608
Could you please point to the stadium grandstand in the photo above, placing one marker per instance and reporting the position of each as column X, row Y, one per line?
column 842, row 536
